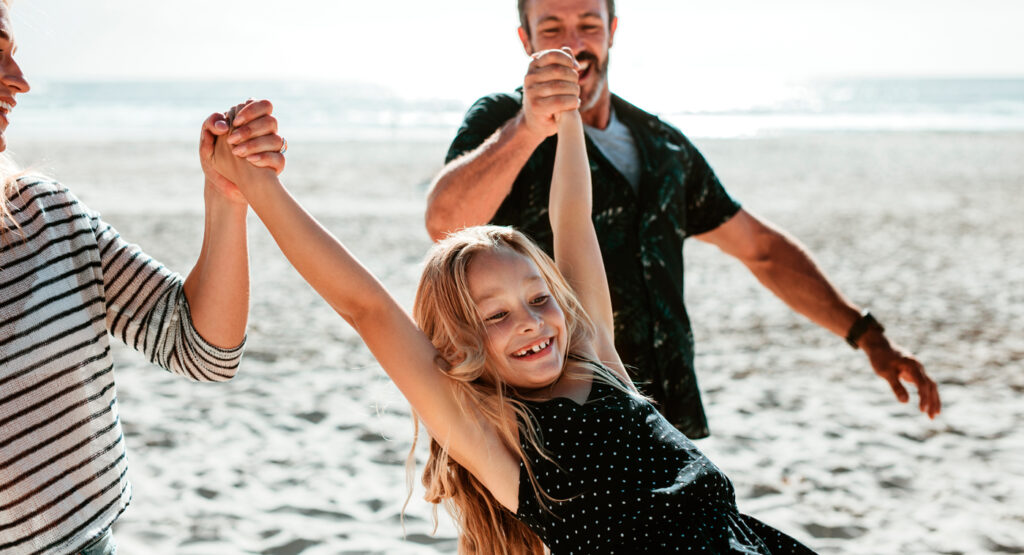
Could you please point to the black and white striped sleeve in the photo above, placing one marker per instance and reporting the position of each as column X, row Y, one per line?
column 147, row 309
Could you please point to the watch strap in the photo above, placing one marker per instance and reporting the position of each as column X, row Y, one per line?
column 861, row 325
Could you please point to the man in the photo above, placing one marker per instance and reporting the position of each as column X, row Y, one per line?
column 652, row 189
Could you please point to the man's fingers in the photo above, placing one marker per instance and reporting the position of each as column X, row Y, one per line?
column 929, row 392
column 897, row 387
column 927, row 400
column 553, row 72
column 552, row 88
column 251, row 110
column 557, row 104
column 561, row 56
column 264, row 125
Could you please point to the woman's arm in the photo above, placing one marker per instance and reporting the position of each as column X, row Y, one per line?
column 193, row 327
column 577, row 251
column 404, row 352
column 217, row 288
column 145, row 306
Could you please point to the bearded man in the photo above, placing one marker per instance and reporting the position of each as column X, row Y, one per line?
column 652, row 190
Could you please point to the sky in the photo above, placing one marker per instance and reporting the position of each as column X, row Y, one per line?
column 461, row 49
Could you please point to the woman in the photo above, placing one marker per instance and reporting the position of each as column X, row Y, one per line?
column 538, row 435
column 67, row 279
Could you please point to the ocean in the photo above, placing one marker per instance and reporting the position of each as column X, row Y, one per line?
column 104, row 110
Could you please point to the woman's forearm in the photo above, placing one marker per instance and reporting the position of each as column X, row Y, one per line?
column 217, row 288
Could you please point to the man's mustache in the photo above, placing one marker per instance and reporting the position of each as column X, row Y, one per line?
column 587, row 57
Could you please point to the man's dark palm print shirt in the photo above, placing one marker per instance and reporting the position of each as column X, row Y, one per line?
column 641, row 235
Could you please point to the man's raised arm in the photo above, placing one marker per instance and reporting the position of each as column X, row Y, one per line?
column 470, row 188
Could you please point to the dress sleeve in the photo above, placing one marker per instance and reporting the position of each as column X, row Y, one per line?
column 482, row 119
column 708, row 205
column 146, row 308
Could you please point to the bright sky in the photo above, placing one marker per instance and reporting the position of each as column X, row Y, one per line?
column 462, row 49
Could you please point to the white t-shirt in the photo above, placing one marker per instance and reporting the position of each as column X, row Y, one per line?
column 617, row 144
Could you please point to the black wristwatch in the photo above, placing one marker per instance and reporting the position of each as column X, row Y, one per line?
column 860, row 326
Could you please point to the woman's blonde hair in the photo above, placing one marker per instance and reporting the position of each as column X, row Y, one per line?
column 9, row 174
column 445, row 311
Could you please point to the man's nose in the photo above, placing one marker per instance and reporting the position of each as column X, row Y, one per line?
column 574, row 42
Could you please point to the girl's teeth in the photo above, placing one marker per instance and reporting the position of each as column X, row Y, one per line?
column 535, row 349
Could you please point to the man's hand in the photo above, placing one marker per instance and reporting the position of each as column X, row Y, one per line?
column 551, row 86
column 251, row 131
column 893, row 364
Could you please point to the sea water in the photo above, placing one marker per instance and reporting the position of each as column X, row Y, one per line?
column 174, row 110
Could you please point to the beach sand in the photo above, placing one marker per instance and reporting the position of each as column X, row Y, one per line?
column 304, row 451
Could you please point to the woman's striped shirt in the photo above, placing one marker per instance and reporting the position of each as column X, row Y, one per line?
column 67, row 280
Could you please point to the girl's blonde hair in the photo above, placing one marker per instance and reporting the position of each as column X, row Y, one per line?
column 445, row 311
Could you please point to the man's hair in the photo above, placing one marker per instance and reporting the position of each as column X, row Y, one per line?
column 526, row 23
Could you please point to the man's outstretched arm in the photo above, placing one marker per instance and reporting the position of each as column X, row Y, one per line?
column 785, row 267
column 470, row 188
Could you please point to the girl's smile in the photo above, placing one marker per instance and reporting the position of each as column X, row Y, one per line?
column 525, row 326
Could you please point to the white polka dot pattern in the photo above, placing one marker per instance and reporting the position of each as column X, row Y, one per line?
column 624, row 481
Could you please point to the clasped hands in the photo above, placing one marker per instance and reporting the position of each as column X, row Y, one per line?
column 234, row 143
column 550, row 88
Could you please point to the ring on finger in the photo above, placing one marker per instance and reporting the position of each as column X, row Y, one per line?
column 284, row 145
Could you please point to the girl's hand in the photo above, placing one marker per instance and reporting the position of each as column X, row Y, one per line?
column 248, row 130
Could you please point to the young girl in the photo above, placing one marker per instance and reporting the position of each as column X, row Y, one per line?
column 538, row 437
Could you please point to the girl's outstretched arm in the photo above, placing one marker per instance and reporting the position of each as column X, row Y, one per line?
column 404, row 352
column 577, row 251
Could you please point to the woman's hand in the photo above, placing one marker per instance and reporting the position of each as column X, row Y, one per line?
column 248, row 130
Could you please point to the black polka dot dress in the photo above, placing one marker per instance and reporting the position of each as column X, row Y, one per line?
column 626, row 481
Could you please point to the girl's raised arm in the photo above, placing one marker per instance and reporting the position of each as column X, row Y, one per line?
column 577, row 251
column 404, row 352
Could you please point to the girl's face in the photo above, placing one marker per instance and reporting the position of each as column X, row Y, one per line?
column 12, row 81
column 526, row 337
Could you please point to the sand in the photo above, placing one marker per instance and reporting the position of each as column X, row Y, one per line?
column 304, row 451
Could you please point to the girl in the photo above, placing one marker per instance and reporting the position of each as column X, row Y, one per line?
column 538, row 437
column 67, row 279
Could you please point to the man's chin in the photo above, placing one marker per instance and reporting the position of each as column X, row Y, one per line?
column 589, row 101
column 591, row 95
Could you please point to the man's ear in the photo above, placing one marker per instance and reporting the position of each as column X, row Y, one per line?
column 611, row 30
column 524, row 37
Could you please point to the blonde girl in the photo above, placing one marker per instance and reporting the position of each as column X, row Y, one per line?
column 538, row 437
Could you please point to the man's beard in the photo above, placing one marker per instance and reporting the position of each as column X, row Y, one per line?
column 599, row 76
